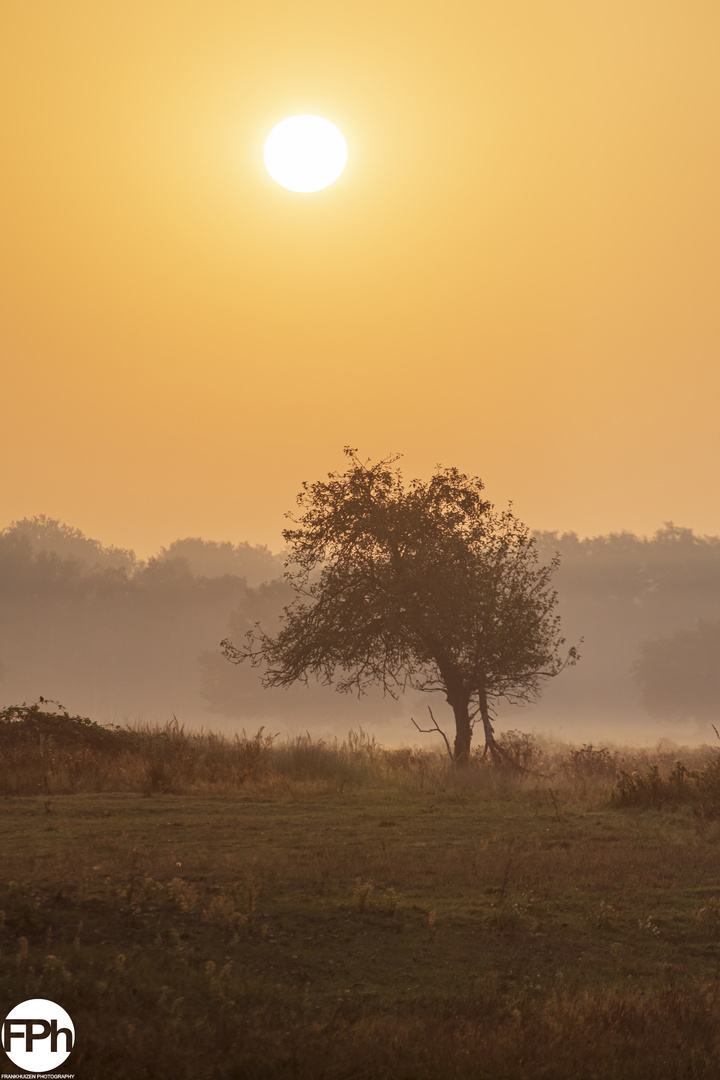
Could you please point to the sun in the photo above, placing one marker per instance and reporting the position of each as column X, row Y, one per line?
column 305, row 153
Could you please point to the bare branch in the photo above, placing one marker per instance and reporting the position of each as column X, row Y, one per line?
column 436, row 727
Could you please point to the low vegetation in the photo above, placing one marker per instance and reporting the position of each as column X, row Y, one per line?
column 257, row 908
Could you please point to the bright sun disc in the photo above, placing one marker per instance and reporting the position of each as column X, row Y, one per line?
column 305, row 153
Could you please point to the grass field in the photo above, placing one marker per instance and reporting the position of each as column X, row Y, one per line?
column 353, row 913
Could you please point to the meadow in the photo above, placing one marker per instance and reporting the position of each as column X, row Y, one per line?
column 251, row 908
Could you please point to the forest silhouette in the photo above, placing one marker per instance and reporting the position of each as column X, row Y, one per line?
column 124, row 639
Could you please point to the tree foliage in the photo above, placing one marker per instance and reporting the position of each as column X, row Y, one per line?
column 420, row 586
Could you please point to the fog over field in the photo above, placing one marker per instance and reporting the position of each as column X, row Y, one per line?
column 121, row 639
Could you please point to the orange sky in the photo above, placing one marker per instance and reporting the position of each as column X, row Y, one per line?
column 517, row 274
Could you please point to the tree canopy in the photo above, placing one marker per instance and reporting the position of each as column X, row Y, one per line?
column 421, row 585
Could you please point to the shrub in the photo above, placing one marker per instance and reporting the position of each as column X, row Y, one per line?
column 587, row 763
column 520, row 751
column 649, row 789
column 45, row 750
column 49, row 723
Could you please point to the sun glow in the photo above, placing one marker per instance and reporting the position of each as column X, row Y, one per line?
column 305, row 153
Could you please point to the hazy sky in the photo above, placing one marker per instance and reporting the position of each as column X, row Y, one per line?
column 518, row 273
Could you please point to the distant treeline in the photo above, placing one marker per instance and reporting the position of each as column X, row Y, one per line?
column 633, row 600
column 119, row 638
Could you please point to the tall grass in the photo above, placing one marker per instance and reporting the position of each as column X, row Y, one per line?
column 46, row 751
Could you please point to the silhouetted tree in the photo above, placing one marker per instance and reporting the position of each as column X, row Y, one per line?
column 423, row 586
column 679, row 675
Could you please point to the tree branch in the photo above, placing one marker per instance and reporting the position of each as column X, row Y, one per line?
column 435, row 727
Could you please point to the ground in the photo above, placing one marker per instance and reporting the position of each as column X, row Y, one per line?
column 425, row 930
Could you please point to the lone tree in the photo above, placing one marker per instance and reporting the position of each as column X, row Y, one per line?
column 422, row 585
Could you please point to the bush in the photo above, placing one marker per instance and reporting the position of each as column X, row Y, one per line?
column 649, row 789
column 48, row 723
column 520, row 751
column 590, row 764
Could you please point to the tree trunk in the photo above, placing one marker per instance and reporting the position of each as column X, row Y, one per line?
column 491, row 745
column 463, row 732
